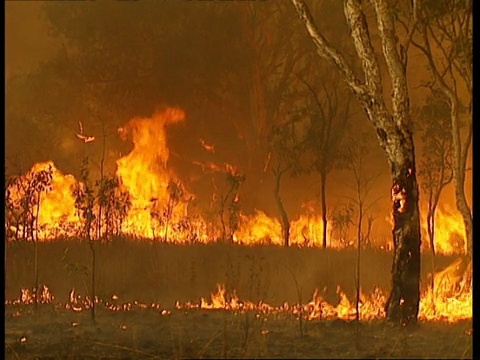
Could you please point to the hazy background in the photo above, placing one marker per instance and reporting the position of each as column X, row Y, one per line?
column 103, row 63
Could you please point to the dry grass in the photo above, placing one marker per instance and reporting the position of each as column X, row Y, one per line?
column 163, row 273
column 144, row 271
column 198, row 334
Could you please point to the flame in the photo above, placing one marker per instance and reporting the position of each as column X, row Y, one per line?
column 450, row 300
column 144, row 175
column 451, row 297
column 306, row 230
column 449, row 231
column 258, row 228
column 160, row 204
column 57, row 204
column 143, row 172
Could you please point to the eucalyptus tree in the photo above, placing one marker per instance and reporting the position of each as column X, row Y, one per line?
column 389, row 114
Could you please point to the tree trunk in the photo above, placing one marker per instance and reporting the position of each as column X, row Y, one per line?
column 464, row 210
column 460, row 160
column 359, row 243
column 35, row 244
column 431, row 229
column 92, row 312
column 431, row 236
column 281, row 208
column 393, row 128
column 323, row 189
column 402, row 304
column 222, row 221
column 460, row 150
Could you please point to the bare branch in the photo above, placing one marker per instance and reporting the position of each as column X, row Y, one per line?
column 327, row 51
column 400, row 99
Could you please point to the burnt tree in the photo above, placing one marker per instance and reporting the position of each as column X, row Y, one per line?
column 394, row 132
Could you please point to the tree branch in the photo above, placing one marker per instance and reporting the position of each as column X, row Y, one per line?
column 327, row 51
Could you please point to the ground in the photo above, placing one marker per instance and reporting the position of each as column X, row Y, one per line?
column 55, row 332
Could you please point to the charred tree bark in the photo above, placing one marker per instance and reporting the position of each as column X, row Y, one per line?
column 281, row 208
column 403, row 302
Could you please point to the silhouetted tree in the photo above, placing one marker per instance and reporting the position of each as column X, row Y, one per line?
column 287, row 145
column 328, row 120
column 356, row 158
column 84, row 204
column 228, row 201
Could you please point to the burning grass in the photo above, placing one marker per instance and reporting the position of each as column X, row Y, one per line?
column 163, row 272
column 153, row 301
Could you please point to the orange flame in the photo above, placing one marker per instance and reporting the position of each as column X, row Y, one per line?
column 144, row 172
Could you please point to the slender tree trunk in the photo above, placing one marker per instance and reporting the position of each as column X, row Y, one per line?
column 281, row 208
column 92, row 313
column 222, row 222
column 462, row 206
column 431, row 229
column 460, row 159
column 359, row 243
column 102, row 161
column 431, row 236
column 35, row 244
column 323, row 189
column 92, row 248
column 460, row 150
column 167, row 220
column 35, row 251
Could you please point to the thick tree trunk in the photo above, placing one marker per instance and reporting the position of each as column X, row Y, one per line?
column 403, row 302
column 323, row 189
column 281, row 208
column 393, row 128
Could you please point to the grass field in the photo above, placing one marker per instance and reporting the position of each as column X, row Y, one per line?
column 200, row 334
column 164, row 273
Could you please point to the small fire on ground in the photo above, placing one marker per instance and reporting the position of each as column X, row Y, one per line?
column 450, row 300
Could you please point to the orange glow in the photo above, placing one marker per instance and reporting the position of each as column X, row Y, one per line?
column 449, row 231
column 450, row 300
column 159, row 201
column 144, row 173
column 160, row 211
column 258, row 229
column 56, row 215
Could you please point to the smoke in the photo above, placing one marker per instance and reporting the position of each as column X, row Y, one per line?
column 180, row 64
